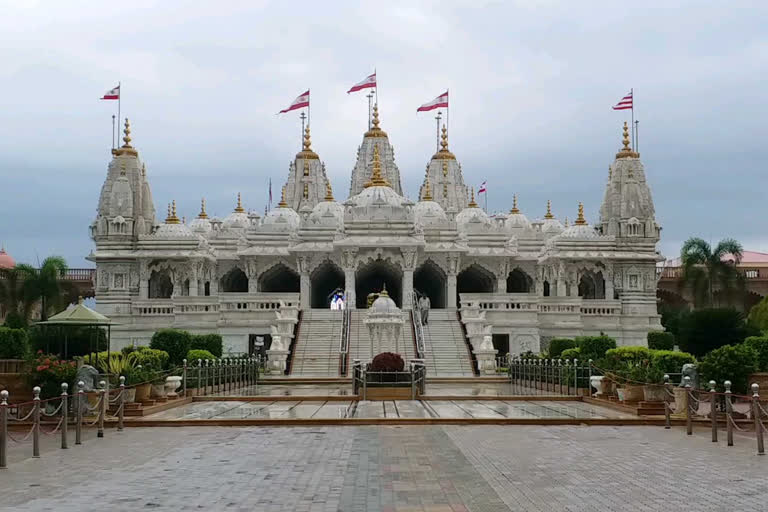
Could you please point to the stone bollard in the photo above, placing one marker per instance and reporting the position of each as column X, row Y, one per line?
column 688, row 418
column 64, row 415
column 121, row 405
column 713, row 409
column 36, row 422
column 728, row 413
column 758, row 422
column 184, row 378
column 667, row 412
column 3, row 428
column 79, row 413
column 102, row 408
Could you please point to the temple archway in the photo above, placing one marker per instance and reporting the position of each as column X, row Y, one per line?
column 279, row 279
column 372, row 276
column 325, row 279
column 519, row 282
column 160, row 285
column 430, row 280
column 592, row 285
column 234, row 281
column 546, row 290
column 474, row 279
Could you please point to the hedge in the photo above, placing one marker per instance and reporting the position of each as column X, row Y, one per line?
column 571, row 354
column 151, row 358
column 195, row 354
column 734, row 363
column 594, row 347
column 14, row 343
column 177, row 343
column 661, row 340
column 760, row 345
column 706, row 329
column 210, row 342
column 557, row 345
column 631, row 355
column 669, row 361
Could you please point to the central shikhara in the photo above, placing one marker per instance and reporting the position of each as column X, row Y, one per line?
column 248, row 277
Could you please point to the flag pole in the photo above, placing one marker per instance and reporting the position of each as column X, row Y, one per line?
column 376, row 89
column 637, row 136
column 632, row 93
column 303, row 116
column 113, row 131
column 369, row 96
column 437, row 134
column 119, row 100
column 448, row 109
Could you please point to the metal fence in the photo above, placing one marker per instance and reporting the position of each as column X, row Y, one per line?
column 362, row 377
column 215, row 376
column 549, row 376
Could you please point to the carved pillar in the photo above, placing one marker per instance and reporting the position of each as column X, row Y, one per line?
column 193, row 281
column 409, row 260
column 305, row 284
column 144, row 280
column 252, row 270
column 348, row 262
column 609, row 284
column 452, row 272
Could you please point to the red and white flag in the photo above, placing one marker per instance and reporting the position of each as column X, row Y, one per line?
column 112, row 94
column 300, row 102
column 625, row 103
column 439, row 102
column 482, row 188
column 367, row 83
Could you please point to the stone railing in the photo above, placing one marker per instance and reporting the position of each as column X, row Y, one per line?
column 153, row 307
column 257, row 302
column 500, row 301
column 600, row 307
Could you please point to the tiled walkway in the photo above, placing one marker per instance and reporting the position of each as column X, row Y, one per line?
column 392, row 469
column 495, row 409
column 434, row 389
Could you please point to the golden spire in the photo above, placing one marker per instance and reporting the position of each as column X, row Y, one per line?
column 444, row 153
column 328, row 191
column 202, row 214
column 307, row 153
column 376, row 178
column 306, row 167
column 383, row 291
column 626, row 151
column 172, row 218
column 549, row 210
column 306, row 190
column 445, row 169
column 566, row 221
column 514, row 204
column 282, row 203
column 126, row 148
column 472, row 203
column 239, row 208
column 375, row 130
column 427, row 190
column 580, row 221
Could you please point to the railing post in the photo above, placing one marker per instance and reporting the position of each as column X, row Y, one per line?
column 3, row 428
column 365, row 383
column 728, row 413
column 102, row 408
column 36, row 422
column 64, row 415
column 689, row 398
column 199, row 375
column 589, row 381
column 79, row 413
column 758, row 422
column 713, row 409
column 575, row 376
column 413, row 382
column 560, row 374
column 184, row 379
column 219, row 379
column 667, row 412
column 121, row 405
column 567, row 376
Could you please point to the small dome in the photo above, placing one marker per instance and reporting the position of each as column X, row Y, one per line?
column 551, row 226
column 429, row 213
column 200, row 225
column 169, row 231
column 579, row 231
column 473, row 215
column 282, row 218
column 516, row 220
column 236, row 220
column 378, row 196
column 384, row 304
column 6, row 261
column 327, row 213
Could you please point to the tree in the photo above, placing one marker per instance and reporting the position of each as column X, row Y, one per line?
column 704, row 330
column 12, row 298
column 758, row 315
column 45, row 285
column 705, row 271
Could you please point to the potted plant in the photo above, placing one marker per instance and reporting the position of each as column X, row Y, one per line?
column 141, row 380
column 633, row 388
column 654, row 391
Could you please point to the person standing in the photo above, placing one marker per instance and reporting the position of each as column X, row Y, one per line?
column 425, row 305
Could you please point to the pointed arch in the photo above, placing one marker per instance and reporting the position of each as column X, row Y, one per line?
column 372, row 275
column 326, row 278
column 160, row 284
column 279, row 278
column 430, row 280
column 518, row 281
column 234, row 281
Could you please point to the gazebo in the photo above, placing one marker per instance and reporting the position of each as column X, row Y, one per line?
column 80, row 315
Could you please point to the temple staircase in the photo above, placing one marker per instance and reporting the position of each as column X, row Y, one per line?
column 316, row 352
column 446, row 352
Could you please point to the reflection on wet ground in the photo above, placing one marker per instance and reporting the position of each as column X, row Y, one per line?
column 495, row 409
column 436, row 389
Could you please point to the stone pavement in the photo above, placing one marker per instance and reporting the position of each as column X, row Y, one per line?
column 392, row 469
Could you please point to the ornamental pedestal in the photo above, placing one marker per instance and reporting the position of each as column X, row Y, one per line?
column 486, row 356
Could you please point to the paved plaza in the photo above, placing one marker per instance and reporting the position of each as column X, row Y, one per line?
column 392, row 469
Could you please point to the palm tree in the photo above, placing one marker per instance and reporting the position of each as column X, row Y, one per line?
column 704, row 269
column 45, row 284
column 12, row 298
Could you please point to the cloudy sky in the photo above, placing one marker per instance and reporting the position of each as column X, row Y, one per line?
column 531, row 85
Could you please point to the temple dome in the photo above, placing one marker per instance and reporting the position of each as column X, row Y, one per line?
column 384, row 304
column 429, row 213
column 173, row 227
column 238, row 219
column 472, row 215
column 580, row 229
column 282, row 218
column 516, row 220
column 327, row 213
column 6, row 261
column 201, row 224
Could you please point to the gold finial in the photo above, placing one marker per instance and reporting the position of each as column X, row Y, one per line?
column 172, row 218
column 307, row 139
column 282, row 203
column 376, row 178
column 427, row 190
column 472, row 203
column 445, row 169
column 239, row 208
column 383, row 291
column 626, row 151
column 126, row 148
column 375, row 130
column 328, row 191
column 202, row 214
column 580, row 221
column 444, row 153
column 306, row 153
column 306, row 167
column 514, row 204
column 306, row 190
column 549, row 210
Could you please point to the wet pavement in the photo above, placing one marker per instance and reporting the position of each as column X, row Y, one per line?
column 436, row 389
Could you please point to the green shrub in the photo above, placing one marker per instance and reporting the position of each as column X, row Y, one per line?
column 660, row 340
column 707, row 329
column 195, row 354
column 75, row 341
column 176, row 342
column 14, row 343
column 760, row 345
column 14, row 320
column 627, row 356
column 731, row 362
column 210, row 342
column 594, row 347
column 139, row 375
column 570, row 353
column 151, row 358
column 557, row 345
column 758, row 315
column 671, row 362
